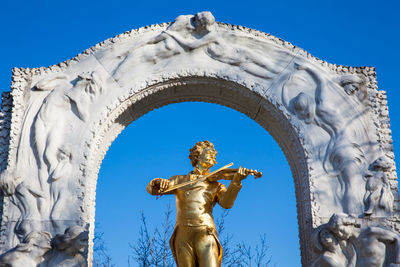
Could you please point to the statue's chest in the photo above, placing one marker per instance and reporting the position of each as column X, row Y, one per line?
column 201, row 192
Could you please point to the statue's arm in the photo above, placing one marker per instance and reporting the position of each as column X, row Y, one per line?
column 227, row 196
column 321, row 84
column 310, row 71
column 191, row 45
column 158, row 38
column 154, row 40
column 386, row 236
column 389, row 236
column 382, row 235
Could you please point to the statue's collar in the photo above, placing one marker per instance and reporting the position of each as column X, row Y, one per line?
column 198, row 172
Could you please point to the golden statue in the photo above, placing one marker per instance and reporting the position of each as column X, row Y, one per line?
column 194, row 241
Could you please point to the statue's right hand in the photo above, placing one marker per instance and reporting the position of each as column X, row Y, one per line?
column 160, row 184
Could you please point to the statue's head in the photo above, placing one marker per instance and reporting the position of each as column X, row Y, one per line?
column 91, row 82
column 354, row 85
column 86, row 88
column 74, row 240
column 343, row 225
column 203, row 22
column 9, row 181
column 382, row 163
column 304, row 107
column 203, row 154
column 323, row 239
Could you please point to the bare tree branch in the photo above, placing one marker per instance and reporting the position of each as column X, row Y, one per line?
column 101, row 258
column 154, row 250
column 141, row 251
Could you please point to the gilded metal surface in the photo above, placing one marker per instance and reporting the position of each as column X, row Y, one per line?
column 194, row 241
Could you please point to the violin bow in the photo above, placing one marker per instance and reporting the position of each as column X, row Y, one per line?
column 197, row 180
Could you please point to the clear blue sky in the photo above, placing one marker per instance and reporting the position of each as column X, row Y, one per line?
column 355, row 33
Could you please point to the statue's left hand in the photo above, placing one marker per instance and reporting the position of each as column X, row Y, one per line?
column 160, row 184
column 241, row 174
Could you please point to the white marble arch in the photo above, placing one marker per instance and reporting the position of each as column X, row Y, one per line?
column 58, row 122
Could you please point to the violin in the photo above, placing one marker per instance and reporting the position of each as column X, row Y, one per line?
column 227, row 174
column 223, row 173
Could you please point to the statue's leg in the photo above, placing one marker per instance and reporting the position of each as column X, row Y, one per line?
column 207, row 249
column 184, row 248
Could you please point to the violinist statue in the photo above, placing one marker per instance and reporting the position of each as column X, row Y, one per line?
column 194, row 241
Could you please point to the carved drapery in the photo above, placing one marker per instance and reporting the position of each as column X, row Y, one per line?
column 331, row 122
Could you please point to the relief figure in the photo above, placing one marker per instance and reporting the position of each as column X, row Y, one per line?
column 371, row 242
column 40, row 249
column 87, row 88
column 59, row 184
column 336, row 107
column 49, row 124
column 26, row 198
column 158, row 48
column 48, row 127
column 332, row 107
column 68, row 249
column 30, row 253
column 188, row 33
column 378, row 196
column 41, row 199
column 218, row 49
column 333, row 252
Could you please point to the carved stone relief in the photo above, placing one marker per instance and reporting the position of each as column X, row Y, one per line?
column 68, row 249
column 330, row 121
column 60, row 103
column 348, row 241
column 338, row 107
column 30, row 252
column 40, row 249
column 378, row 198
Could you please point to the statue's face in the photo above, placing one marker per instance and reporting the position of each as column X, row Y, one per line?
column 343, row 231
column 350, row 88
column 327, row 239
column 303, row 107
column 208, row 158
column 81, row 242
column 203, row 21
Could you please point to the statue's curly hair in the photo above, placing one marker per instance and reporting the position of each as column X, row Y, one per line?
column 198, row 148
column 342, row 219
